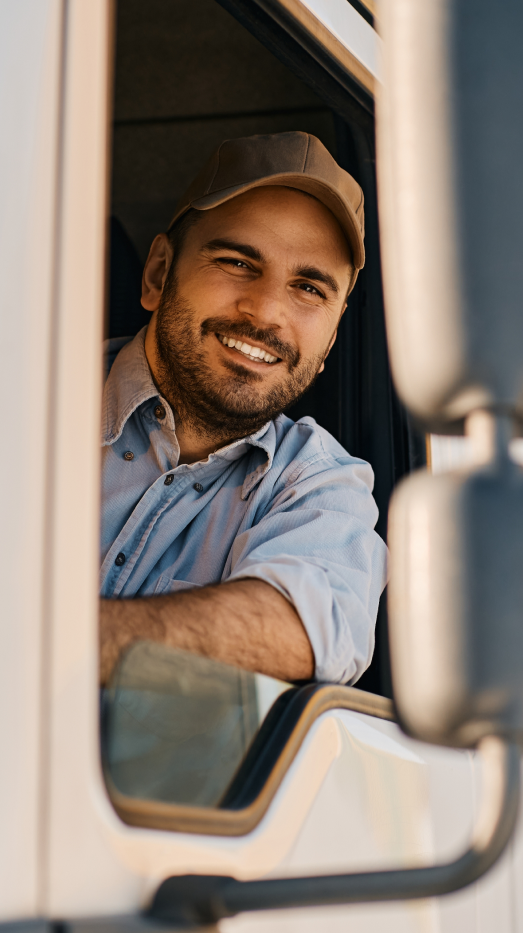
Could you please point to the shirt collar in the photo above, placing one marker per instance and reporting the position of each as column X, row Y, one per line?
column 130, row 383
column 265, row 440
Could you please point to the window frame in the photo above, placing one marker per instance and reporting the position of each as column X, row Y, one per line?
column 261, row 773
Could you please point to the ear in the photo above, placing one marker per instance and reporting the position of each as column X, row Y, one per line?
column 155, row 271
column 329, row 348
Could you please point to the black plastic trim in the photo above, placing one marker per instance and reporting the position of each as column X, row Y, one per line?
column 364, row 11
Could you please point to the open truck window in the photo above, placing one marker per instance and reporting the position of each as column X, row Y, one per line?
column 186, row 78
column 236, row 75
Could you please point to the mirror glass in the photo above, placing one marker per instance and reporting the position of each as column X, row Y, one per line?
column 176, row 727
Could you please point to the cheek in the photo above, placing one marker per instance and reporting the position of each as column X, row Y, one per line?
column 312, row 335
column 208, row 293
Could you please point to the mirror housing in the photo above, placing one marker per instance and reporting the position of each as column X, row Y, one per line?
column 450, row 151
column 456, row 604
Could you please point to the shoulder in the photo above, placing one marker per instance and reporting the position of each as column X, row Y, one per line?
column 304, row 449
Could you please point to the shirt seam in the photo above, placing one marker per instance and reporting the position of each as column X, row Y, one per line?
column 300, row 467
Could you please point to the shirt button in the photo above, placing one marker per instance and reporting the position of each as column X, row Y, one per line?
column 168, row 480
column 128, row 455
column 159, row 411
column 198, row 487
column 120, row 559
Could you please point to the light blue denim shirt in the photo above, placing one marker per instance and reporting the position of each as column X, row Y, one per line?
column 287, row 505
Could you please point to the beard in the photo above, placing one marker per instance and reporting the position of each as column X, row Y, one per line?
column 222, row 406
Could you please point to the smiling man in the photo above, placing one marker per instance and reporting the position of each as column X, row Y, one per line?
column 227, row 529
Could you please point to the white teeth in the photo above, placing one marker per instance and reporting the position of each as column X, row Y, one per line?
column 253, row 353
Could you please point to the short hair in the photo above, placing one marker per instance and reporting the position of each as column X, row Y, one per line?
column 177, row 233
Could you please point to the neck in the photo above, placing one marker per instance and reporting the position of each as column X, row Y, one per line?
column 196, row 443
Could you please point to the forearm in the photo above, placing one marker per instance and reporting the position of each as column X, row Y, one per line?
column 247, row 623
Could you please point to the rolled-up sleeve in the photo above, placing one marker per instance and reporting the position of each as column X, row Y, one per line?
column 317, row 546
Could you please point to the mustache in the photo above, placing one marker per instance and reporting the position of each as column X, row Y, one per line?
column 244, row 330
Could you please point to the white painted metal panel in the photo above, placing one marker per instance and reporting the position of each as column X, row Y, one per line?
column 386, row 801
column 82, row 871
column 30, row 55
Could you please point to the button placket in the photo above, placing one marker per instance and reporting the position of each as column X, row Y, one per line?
column 134, row 541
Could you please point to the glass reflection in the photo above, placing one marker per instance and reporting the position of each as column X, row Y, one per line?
column 176, row 726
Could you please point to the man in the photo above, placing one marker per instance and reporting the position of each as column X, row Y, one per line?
column 227, row 529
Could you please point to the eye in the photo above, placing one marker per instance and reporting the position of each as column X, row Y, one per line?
column 235, row 263
column 310, row 289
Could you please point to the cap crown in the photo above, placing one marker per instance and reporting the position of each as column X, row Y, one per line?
column 294, row 159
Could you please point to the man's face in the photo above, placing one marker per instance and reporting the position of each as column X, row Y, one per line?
column 248, row 315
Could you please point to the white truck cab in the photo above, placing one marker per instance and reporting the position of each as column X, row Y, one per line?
column 103, row 111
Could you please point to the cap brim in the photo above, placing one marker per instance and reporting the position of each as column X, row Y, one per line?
column 320, row 189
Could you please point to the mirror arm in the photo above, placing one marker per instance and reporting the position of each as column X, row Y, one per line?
column 190, row 900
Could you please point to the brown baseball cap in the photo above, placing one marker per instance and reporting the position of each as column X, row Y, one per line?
column 293, row 160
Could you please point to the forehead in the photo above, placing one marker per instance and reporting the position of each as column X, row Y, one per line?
column 278, row 218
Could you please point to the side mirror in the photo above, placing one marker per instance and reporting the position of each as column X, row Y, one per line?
column 450, row 149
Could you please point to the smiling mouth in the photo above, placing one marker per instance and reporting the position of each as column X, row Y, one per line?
column 253, row 353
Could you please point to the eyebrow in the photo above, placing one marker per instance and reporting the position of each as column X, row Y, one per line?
column 310, row 272
column 252, row 252
column 244, row 248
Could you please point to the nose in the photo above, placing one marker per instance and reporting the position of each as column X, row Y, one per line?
column 264, row 303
